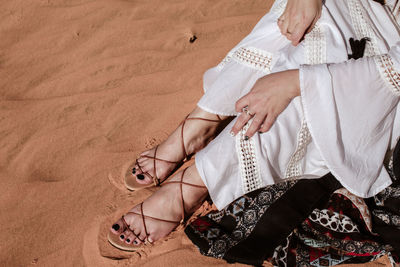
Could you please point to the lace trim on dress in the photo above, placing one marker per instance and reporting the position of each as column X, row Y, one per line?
column 249, row 168
column 315, row 44
column 362, row 28
column 383, row 62
column 227, row 59
column 388, row 73
column 303, row 139
column 254, row 58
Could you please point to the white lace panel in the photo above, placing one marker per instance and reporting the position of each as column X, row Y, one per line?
column 388, row 73
column 226, row 60
column 254, row 58
column 315, row 53
column 315, row 44
column 384, row 63
column 362, row 27
column 249, row 168
column 303, row 139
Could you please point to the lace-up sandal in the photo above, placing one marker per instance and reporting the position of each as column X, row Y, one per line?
column 118, row 243
column 130, row 178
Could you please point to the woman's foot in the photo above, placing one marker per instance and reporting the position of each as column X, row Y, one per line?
column 192, row 135
column 165, row 205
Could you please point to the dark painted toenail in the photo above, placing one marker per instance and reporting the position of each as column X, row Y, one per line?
column 246, row 138
column 135, row 242
column 122, row 236
column 128, row 240
column 115, row 227
column 140, row 176
column 134, row 170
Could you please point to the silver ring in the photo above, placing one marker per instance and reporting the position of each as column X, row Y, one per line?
column 247, row 111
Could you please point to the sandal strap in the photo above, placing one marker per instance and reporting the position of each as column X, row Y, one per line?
column 144, row 221
column 128, row 227
column 144, row 173
column 151, row 217
column 157, row 181
column 181, row 183
column 144, row 217
column 183, row 126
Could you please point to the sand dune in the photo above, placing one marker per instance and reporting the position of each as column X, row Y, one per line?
column 85, row 87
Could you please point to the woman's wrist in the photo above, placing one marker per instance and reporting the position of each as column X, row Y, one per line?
column 295, row 89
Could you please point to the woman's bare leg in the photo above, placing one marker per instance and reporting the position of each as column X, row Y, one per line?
column 164, row 204
column 196, row 135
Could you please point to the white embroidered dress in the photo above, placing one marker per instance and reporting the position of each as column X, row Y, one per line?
column 344, row 122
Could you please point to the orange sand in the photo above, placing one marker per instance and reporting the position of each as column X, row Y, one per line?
column 85, row 87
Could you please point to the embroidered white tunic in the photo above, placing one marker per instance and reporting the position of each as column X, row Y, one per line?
column 343, row 122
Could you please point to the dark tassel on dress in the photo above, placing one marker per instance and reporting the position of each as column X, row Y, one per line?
column 357, row 47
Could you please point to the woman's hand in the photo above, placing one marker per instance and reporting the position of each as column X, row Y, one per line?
column 269, row 96
column 299, row 18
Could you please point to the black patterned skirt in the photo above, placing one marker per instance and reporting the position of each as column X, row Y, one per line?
column 304, row 223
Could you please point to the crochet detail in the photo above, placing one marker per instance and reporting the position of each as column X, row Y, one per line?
column 293, row 169
column 315, row 44
column 383, row 62
column 249, row 167
column 226, row 60
column 254, row 58
column 388, row 73
column 362, row 27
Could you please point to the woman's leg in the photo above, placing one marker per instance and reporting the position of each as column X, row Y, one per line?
column 166, row 204
column 197, row 133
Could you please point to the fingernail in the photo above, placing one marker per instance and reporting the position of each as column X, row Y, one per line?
column 128, row 240
column 122, row 236
column 140, row 176
column 134, row 170
column 246, row 138
column 115, row 227
column 232, row 134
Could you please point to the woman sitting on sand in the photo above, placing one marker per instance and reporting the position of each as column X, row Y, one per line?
column 294, row 115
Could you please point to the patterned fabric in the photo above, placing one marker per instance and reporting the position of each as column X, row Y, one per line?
column 219, row 231
column 342, row 228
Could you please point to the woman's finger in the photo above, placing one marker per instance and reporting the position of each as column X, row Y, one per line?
column 297, row 33
column 284, row 26
column 255, row 124
column 240, row 122
column 241, row 103
column 268, row 122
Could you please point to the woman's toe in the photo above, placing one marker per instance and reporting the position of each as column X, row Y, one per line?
column 145, row 153
column 142, row 160
column 142, row 237
column 124, row 235
column 137, row 241
column 117, row 227
column 150, row 239
column 129, row 239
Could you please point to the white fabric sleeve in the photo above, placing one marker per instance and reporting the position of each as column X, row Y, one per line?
column 350, row 110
